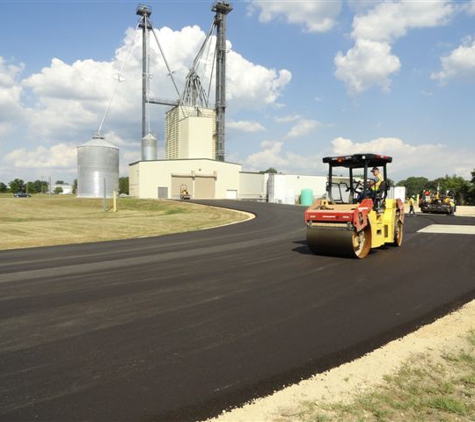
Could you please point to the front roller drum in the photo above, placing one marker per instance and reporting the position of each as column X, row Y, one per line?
column 338, row 242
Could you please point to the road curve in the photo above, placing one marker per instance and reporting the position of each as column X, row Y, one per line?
column 180, row 327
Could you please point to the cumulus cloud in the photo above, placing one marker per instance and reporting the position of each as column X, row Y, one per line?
column 245, row 126
column 459, row 64
column 411, row 159
column 427, row 160
column 315, row 16
column 302, row 128
column 370, row 62
column 269, row 156
column 253, row 86
column 391, row 20
column 367, row 64
column 58, row 156
column 10, row 95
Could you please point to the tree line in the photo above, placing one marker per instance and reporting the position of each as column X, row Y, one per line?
column 41, row 186
column 463, row 191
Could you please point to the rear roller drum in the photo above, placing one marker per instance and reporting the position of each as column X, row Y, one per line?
column 325, row 241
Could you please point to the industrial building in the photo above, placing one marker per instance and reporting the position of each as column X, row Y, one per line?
column 195, row 139
column 194, row 142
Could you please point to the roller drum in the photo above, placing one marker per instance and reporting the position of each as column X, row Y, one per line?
column 339, row 242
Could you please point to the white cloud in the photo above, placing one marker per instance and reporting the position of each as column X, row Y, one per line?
column 253, row 86
column 469, row 7
column 302, row 128
column 272, row 154
column 367, row 64
column 11, row 110
column 428, row 160
column 57, row 156
column 245, row 126
column 287, row 119
column 391, row 20
column 269, row 156
column 370, row 62
column 459, row 64
column 315, row 16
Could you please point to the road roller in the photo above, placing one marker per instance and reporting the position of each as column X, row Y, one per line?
column 355, row 215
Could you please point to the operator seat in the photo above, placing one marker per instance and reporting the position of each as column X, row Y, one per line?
column 379, row 197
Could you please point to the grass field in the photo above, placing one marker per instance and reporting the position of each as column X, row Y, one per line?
column 61, row 219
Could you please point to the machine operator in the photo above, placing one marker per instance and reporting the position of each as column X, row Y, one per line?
column 373, row 185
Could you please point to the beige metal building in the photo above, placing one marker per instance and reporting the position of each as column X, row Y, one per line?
column 203, row 178
column 190, row 132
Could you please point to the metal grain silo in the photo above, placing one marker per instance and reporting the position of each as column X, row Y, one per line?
column 149, row 148
column 98, row 168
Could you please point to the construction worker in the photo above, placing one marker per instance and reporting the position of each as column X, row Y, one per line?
column 373, row 185
column 411, row 206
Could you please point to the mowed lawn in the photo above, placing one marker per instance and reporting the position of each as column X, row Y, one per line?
column 44, row 220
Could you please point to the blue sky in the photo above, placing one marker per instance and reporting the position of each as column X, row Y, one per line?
column 306, row 79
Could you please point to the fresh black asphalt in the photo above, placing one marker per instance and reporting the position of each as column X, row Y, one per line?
column 180, row 327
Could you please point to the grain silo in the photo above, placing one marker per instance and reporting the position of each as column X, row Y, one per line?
column 149, row 147
column 98, row 168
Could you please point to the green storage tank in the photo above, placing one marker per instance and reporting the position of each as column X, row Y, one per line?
column 306, row 197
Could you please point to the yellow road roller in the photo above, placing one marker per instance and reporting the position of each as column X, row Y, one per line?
column 356, row 214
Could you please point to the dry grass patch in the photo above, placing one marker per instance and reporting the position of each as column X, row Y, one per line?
column 426, row 388
column 59, row 219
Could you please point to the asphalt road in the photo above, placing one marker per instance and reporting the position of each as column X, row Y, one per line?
column 180, row 327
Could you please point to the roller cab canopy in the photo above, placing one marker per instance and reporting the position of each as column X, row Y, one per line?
column 358, row 161
column 363, row 163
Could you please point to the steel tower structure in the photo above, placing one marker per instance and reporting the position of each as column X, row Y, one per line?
column 145, row 12
column 222, row 9
column 193, row 90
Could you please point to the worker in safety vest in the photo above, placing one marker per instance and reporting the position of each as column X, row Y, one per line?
column 375, row 183
column 412, row 202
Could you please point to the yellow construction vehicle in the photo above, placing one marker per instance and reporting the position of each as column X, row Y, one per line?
column 355, row 215
column 184, row 195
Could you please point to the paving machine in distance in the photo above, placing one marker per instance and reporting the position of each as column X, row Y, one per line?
column 353, row 218
column 433, row 202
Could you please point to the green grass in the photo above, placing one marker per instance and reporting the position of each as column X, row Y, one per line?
column 61, row 219
column 423, row 389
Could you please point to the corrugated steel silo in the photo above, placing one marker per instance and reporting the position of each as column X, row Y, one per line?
column 98, row 167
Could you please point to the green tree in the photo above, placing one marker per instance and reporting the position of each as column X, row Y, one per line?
column 455, row 186
column 58, row 190
column 269, row 170
column 414, row 185
column 17, row 185
column 75, row 186
column 59, row 182
column 124, row 185
column 3, row 187
column 30, row 187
